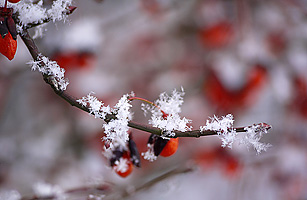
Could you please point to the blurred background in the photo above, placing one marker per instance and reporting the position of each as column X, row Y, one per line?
column 248, row 58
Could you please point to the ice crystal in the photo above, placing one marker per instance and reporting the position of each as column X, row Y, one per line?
column 95, row 106
column 52, row 69
column 121, row 165
column 149, row 154
column 115, row 145
column 30, row 12
column 224, row 128
column 34, row 12
column 171, row 106
column 118, row 127
column 58, row 10
column 253, row 135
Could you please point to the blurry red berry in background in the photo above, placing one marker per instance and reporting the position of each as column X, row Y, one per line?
column 300, row 96
column 218, row 158
column 276, row 42
column 170, row 147
column 74, row 60
column 231, row 165
column 8, row 46
column 206, row 158
column 151, row 6
column 228, row 100
column 216, row 36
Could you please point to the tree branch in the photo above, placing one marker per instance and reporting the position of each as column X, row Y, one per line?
column 33, row 49
column 68, row 11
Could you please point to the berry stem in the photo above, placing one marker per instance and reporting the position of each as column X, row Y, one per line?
column 149, row 102
column 5, row 3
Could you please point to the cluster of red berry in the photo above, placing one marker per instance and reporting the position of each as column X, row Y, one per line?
column 131, row 156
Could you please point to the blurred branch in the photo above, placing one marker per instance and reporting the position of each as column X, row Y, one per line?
column 68, row 11
column 108, row 192
column 85, row 190
column 158, row 179
column 29, row 42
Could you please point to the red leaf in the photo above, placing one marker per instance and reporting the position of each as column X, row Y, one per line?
column 8, row 46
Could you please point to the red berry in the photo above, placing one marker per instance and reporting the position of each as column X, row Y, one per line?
column 8, row 46
column 217, row 35
column 127, row 172
column 170, row 148
column 129, row 166
column 13, row 1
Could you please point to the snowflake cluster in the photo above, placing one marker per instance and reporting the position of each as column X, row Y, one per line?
column 52, row 69
column 253, row 136
column 121, row 165
column 149, row 154
column 116, row 129
column 34, row 12
column 224, row 128
column 95, row 106
column 171, row 106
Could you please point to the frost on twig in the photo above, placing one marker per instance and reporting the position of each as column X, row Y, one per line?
column 32, row 13
column 117, row 128
column 169, row 120
column 95, row 106
column 224, row 128
column 253, row 135
column 50, row 68
column 121, row 165
column 149, row 154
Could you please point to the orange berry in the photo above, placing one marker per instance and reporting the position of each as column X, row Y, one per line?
column 13, row 1
column 8, row 46
column 217, row 35
column 170, row 148
column 128, row 171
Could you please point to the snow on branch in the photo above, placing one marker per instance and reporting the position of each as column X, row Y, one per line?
column 32, row 13
column 228, row 134
column 224, row 128
column 95, row 106
column 171, row 104
column 167, row 116
column 50, row 68
column 253, row 135
column 116, row 129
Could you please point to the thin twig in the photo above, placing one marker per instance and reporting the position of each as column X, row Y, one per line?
column 29, row 42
